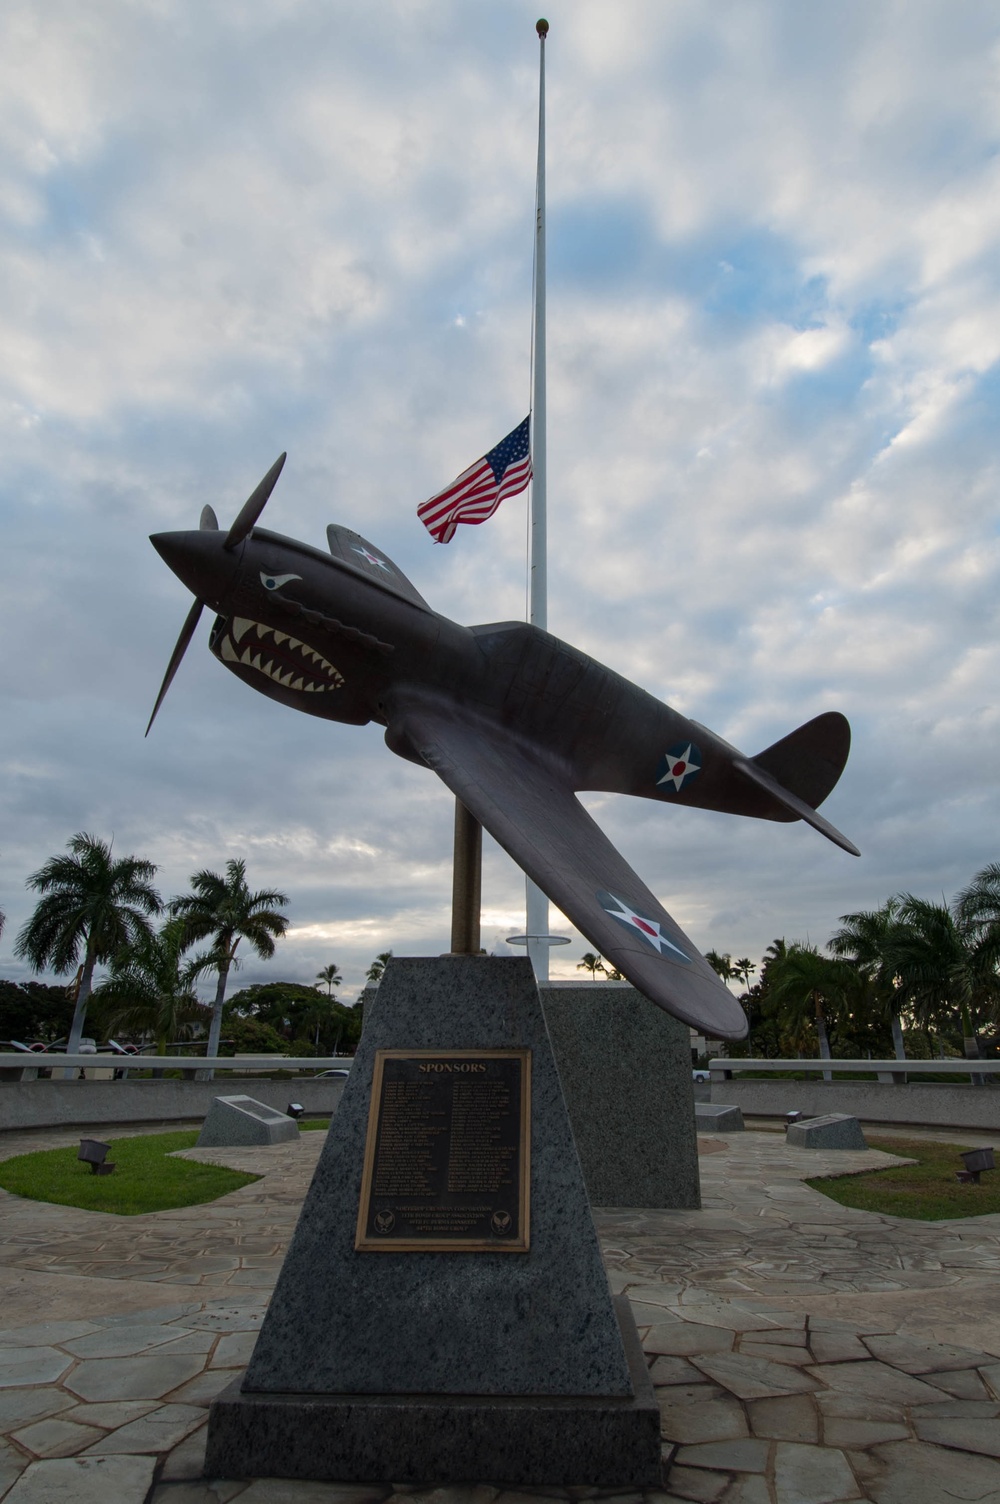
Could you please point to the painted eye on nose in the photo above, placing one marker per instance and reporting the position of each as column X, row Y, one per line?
column 275, row 581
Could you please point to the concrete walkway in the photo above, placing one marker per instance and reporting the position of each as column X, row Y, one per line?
column 803, row 1353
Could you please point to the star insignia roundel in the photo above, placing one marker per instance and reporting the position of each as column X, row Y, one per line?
column 373, row 559
column 642, row 925
column 678, row 766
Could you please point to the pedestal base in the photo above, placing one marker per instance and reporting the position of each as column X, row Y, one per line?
column 419, row 1438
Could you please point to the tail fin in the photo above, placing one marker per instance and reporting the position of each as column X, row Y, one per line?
column 800, row 770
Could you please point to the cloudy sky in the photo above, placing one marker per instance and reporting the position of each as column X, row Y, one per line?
column 774, row 330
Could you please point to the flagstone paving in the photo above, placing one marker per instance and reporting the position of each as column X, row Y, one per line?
column 802, row 1352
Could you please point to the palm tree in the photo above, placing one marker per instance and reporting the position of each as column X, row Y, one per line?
column 721, row 965
column 91, row 903
column 943, row 969
column 743, row 969
column 591, row 963
column 804, row 986
column 977, row 914
column 869, row 939
column 331, row 976
column 224, row 910
column 375, row 970
column 147, row 988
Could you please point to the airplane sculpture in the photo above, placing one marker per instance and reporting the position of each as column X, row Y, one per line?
column 513, row 720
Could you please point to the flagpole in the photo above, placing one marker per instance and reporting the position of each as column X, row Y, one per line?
column 537, row 904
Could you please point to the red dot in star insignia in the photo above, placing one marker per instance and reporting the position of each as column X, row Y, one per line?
column 679, row 768
column 646, row 928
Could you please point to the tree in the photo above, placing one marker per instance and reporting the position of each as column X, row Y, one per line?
column 944, row 968
column 252, row 1036
column 375, row 970
column 148, row 989
column 33, row 1011
column 331, row 976
column 224, row 910
column 293, row 1010
column 742, row 970
column 869, row 939
column 91, row 903
column 591, row 963
column 977, row 914
column 805, row 988
column 721, row 965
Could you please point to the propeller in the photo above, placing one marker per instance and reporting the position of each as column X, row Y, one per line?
column 253, row 506
column 180, row 648
column 248, row 515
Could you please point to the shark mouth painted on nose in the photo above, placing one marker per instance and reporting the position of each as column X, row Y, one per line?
column 286, row 660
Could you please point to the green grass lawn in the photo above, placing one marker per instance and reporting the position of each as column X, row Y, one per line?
column 926, row 1191
column 144, row 1179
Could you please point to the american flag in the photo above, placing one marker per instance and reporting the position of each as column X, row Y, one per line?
column 478, row 491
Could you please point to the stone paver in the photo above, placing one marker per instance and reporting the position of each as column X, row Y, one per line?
column 802, row 1352
column 141, row 1378
column 31, row 1365
column 56, row 1437
column 811, row 1475
column 84, row 1480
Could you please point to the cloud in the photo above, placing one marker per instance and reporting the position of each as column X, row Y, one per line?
column 774, row 336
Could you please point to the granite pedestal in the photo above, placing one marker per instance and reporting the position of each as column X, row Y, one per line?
column 834, row 1131
column 236, row 1121
column 441, row 1367
column 625, row 1068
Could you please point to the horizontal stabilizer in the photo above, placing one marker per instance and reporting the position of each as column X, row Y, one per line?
column 797, row 808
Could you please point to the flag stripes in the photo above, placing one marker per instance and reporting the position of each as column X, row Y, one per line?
column 475, row 495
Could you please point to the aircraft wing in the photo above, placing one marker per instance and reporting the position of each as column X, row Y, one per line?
column 524, row 799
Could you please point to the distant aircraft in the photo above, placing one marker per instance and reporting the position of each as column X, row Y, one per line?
column 514, row 721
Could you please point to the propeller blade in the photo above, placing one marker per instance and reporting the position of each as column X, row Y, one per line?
column 209, row 522
column 253, row 506
column 180, row 648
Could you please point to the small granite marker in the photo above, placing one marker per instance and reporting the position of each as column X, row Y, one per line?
column 232, row 1122
column 834, row 1131
column 713, row 1117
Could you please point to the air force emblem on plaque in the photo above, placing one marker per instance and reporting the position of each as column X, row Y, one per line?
column 677, row 767
column 642, row 925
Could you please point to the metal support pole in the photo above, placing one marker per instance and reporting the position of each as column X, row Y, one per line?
column 537, row 905
column 466, row 890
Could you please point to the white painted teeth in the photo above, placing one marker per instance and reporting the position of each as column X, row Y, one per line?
column 239, row 626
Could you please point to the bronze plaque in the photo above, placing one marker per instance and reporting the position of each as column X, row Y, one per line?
column 447, row 1156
